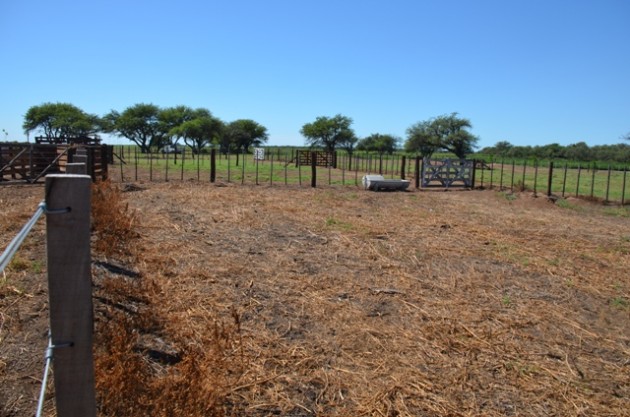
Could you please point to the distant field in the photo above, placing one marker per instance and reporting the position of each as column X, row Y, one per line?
column 593, row 181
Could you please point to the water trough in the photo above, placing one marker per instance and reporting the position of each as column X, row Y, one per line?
column 379, row 183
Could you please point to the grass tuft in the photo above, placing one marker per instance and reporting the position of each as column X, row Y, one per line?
column 112, row 221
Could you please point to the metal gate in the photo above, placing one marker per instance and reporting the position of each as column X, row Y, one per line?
column 448, row 173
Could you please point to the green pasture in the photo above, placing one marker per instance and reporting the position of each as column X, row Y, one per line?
column 601, row 184
column 596, row 181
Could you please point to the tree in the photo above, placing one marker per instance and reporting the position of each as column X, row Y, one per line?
column 454, row 135
column 242, row 134
column 172, row 117
column 422, row 139
column 201, row 130
column 503, row 147
column 578, row 152
column 60, row 121
column 328, row 132
column 139, row 123
column 347, row 142
column 447, row 132
column 378, row 143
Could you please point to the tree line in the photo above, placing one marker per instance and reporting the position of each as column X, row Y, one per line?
column 579, row 151
column 152, row 127
column 148, row 126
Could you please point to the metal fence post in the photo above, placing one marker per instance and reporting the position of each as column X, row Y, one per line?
column 70, row 292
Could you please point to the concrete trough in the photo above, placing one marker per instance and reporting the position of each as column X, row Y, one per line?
column 379, row 183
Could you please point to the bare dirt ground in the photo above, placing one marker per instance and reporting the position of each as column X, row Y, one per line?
column 244, row 300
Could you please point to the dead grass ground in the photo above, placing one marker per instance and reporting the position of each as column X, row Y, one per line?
column 244, row 300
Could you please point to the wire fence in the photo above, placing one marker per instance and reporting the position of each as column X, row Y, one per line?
column 5, row 261
column 14, row 245
column 607, row 183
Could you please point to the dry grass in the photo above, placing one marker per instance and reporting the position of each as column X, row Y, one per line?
column 112, row 221
column 356, row 303
column 141, row 368
column 294, row 301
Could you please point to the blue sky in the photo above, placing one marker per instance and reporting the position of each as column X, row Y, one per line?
column 529, row 72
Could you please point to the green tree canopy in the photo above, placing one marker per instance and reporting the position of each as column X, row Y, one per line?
column 454, row 134
column 242, row 134
column 347, row 142
column 172, row 117
column 501, row 148
column 60, row 121
column 378, row 143
column 422, row 139
column 200, row 130
column 447, row 132
column 139, row 123
column 328, row 132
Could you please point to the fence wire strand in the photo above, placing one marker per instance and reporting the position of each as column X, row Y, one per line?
column 12, row 248
column 42, row 392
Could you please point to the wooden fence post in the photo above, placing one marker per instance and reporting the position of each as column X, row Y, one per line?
column 549, row 179
column 166, row 166
column 577, row 185
column 107, row 157
column 417, row 173
column 242, row 168
column 564, row 179
column 313, row 169
column 70, row 292
column 608, row 184
column 213, row 165
column 402, row 167
column 623, row 186
column 90, row 164
column 593, row 180
column 76, row 168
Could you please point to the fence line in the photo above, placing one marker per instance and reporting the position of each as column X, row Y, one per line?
column 281, row 166
column 5, row 260
column 69, row 292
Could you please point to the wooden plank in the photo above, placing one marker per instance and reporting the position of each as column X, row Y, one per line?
column 70, row 292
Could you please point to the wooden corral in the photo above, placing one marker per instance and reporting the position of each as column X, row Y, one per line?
column 322, row 158
column 30, row 162
column 75, row 140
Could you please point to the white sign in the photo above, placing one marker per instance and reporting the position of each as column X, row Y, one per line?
column 259, row 154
